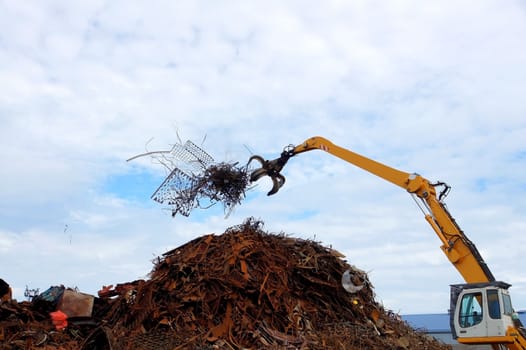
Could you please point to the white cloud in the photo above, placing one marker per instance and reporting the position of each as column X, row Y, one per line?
column 434, row 89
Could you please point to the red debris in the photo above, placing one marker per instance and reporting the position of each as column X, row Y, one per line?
column 59, row 319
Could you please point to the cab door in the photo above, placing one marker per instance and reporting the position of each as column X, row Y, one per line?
column 470, row 315
column 500, row 312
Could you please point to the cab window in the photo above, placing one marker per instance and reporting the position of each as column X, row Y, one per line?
column 506, row 301
column 493, row 304
column 470, row 310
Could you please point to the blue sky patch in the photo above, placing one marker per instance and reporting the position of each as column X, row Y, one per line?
column 135, row 186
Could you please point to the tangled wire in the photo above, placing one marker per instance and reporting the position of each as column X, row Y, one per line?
column 222, row 182
column 196, row 181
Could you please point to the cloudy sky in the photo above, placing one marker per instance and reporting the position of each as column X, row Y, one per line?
column 436, row 88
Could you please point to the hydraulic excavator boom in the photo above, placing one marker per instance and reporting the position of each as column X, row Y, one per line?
column 481, row 309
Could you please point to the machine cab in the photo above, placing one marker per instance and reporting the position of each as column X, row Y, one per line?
column 481, row 313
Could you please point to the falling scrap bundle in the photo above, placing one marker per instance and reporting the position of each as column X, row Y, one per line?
column 243, row 289
column 196, row 181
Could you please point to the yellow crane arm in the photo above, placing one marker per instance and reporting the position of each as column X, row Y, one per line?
column 460, row 251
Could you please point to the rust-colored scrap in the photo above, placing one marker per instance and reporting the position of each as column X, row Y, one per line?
column 243, row 289
column 250, row 289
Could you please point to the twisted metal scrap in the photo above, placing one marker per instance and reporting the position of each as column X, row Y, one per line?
column 250, row 289
column 196, row 181
column 223, row 182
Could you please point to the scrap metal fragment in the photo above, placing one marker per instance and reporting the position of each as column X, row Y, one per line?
column 196, row 181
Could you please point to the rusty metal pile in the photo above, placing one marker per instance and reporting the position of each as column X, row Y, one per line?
column 243, row 289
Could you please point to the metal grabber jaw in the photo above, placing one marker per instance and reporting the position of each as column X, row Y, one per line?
column 272, row 169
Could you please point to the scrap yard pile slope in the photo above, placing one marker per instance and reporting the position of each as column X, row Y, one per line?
column 243, row 289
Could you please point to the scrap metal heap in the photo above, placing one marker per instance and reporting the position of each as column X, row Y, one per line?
column 243, row 289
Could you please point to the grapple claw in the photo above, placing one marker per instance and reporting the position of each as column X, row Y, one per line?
column 258, row 174
column 258, row 158
column 278, row 181
column 271, row 168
